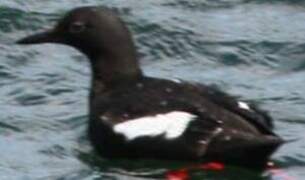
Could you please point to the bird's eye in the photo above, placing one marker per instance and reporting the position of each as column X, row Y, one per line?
column 77, row 27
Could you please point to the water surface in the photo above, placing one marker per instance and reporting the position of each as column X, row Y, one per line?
column 251, row 48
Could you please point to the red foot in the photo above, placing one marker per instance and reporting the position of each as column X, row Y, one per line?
column 177, row 175
column 183, row 174
column 214, row 166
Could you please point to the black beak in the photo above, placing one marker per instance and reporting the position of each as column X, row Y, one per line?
column 43, row 37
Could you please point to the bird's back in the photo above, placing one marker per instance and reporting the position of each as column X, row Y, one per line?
column 136, row 120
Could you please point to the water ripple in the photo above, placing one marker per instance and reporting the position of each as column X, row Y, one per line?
column 9, row 127
column 250, row 48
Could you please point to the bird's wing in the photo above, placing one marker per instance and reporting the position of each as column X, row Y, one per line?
column 249, row 112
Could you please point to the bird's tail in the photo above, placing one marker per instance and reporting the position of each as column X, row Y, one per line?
column 251, row 153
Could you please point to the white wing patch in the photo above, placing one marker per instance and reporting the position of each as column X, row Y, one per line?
column 171, row 124
column 243, row 105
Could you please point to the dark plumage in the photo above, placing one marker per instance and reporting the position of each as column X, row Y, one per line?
column 212, row 125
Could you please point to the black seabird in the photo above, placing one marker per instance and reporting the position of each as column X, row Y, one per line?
column 135, row 116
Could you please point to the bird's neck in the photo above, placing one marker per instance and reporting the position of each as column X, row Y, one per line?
column 108, row 73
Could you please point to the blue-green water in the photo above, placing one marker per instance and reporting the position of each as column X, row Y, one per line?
column 254, row 49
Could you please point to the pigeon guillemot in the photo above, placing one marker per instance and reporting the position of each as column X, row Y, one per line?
column 135, row 116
